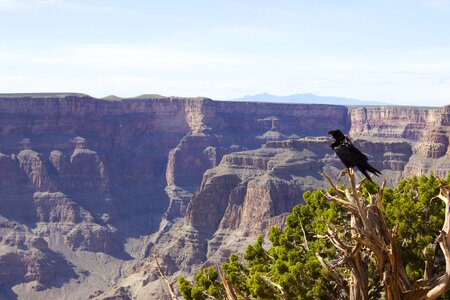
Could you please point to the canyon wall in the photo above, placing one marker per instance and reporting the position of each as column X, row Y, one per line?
column 90, row 189
column 425, row 129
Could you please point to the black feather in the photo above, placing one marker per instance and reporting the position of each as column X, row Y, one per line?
column 349, row 155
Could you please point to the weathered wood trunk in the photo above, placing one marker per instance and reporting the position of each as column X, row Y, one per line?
column 372, row 239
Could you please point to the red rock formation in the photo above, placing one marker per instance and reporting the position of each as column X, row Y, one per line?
column 27, row 258
column 434, row 144
column 33, row 166
column 393, row 121
column 252, row 190
column 425, row 129
column 212, row 199
column 58, row 208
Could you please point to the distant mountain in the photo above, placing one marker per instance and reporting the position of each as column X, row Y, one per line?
column 306, row 98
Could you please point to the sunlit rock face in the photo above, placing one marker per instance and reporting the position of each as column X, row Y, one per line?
column 91, row 188
column 426, row 130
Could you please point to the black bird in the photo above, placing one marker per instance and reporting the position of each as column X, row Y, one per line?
column 349, row 155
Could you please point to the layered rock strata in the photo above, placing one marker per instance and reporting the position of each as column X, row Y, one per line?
column 90, row 188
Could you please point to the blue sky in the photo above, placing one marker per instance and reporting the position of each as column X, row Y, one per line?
column 391, row 51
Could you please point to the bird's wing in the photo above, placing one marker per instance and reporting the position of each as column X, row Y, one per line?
column 349, row 154
column 358, row 154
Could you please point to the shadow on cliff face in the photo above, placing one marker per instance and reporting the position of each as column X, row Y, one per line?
column 102, row 208
column 29, row 262
column 6, row 293
column 18, row 206
column 16, row 192
column 138, row 211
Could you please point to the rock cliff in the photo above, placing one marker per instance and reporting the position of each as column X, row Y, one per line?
column 91, row 188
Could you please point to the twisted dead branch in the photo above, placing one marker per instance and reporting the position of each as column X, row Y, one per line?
column 371, row 238
column 173, row 295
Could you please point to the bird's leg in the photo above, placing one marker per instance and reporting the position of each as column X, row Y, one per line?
column 342, row 173
column 350, row 171
column 351, row 175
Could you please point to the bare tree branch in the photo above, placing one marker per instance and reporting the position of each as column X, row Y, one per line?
column 229, row 290
column 173, row 295
column 338, row 191
column 279, row 287
column 338, row 278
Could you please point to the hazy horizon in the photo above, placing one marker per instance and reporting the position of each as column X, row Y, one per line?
column 386, row 51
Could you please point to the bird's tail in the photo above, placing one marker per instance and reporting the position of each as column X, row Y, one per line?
column 372, row 169
column 366, row 167
column 367, row 175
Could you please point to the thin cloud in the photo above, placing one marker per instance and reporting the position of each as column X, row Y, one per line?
column 135, row 59
column 254, row 32
column 108, row 57
column 14, row 5
column 30, row 5
column 436, row 4
column 128, row 70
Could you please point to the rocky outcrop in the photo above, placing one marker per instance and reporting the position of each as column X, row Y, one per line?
column 212, row 197
column 94, row 238
column 32, row 164
column 59, row 208
column 27, row 258
column 393, row 122
column 434, row 144
column 252, row 190
column 86, row 173
column 425, row 130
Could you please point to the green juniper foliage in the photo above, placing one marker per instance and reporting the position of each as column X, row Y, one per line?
column 205, row 285
column 291, row 262
column 420, row 215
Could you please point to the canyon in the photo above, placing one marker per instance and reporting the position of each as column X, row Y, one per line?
column 91, row 189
